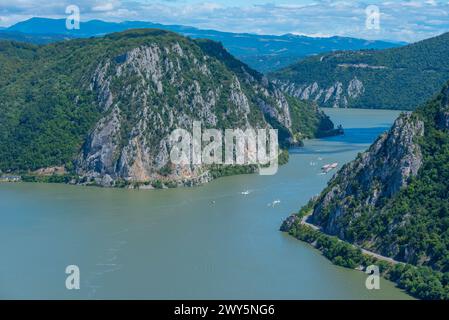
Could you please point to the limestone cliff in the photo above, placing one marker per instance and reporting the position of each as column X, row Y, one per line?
column 104, row 108
column 336, row 95
column 157, row 86
column 399, row 78
column 379, row 173
column 392, row 199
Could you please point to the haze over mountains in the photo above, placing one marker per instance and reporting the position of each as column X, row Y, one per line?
column 262, row 52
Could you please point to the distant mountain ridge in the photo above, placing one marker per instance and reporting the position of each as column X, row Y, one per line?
column 32, row 38
column 398, row 78
column 262, row 52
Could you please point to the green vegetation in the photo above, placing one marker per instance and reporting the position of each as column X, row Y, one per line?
column 411, row 225
column 308, row 121
column 420, row 282
column 218, row 171
column 49, row 179
column 424, row 237
column 399, row 78
column 47, row 107
column 339, row 252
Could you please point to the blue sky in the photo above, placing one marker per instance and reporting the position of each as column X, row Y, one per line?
column 406, row 20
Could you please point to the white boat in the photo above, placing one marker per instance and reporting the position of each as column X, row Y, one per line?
column 274, row 203
column 245, row 193
column 329, row 167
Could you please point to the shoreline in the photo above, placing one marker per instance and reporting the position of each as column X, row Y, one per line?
column 160, row 183
column 156, row 184
column 64, row 177
column 347, row 255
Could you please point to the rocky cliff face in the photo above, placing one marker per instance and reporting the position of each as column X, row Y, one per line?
column 155, row 87
column 379, row 173
column 337, row 95
column 400, row 78
column 104, row 108
column 392, row 199
column 443, row 113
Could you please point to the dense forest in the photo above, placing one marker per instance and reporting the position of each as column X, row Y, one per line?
column 50, row 104
column 410, row 224
column 398, row 78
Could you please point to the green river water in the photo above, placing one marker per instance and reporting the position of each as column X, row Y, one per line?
column 208, row 242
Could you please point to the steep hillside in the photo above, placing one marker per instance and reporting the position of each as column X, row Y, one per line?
column 393, row 198
column 104, row 107
column 262, row 52
column 13, row 58
column 399, row 78
column 393, row 201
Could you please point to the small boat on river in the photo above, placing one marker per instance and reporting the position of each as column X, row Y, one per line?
column 329, row 167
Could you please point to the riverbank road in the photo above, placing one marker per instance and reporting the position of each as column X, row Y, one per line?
column 364, row 251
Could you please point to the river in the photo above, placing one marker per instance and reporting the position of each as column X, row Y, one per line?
column 208, row 242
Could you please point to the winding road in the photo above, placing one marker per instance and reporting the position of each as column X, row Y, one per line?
column 364, row 251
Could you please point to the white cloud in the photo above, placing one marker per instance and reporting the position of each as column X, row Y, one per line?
column 400, row 20
column 104, row 7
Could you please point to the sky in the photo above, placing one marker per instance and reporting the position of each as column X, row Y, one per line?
column 406, row 20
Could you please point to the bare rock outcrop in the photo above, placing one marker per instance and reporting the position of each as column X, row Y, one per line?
column 150, row 90
column 337, row 95
column 379, row 173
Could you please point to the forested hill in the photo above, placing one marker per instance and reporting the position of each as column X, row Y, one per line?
column 393, row 199
column 400, row 78
column 103, row 108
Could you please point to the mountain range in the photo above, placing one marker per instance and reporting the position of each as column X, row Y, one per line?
column 398, row 78
column 261, row 52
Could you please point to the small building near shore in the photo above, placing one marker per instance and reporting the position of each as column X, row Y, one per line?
column 10, row 178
